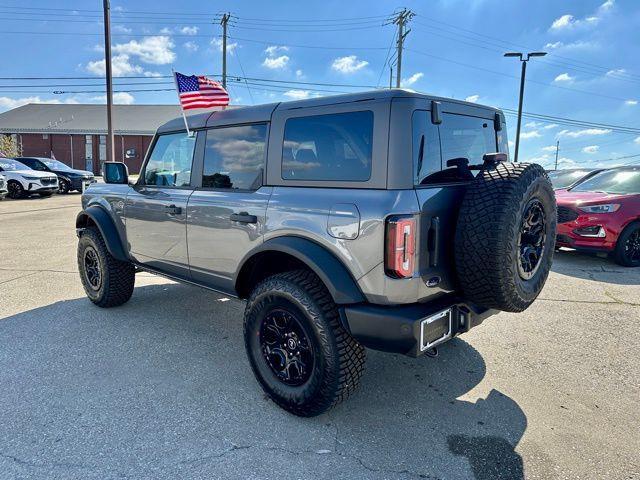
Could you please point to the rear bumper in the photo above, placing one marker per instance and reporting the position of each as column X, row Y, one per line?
column 397, row 329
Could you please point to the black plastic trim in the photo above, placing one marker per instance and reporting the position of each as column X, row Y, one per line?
column 341, row 285
column 107, row 229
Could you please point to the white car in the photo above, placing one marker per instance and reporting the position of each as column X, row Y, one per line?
column 3, row 187
column 23, row 181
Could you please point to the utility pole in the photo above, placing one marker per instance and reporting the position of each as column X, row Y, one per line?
column 524, row 58
column 390, row 76
column 557, row 150
column 107, row 62
column 223, row 22
column 402, row 19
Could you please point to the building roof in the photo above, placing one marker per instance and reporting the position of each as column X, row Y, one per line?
column 87, row 119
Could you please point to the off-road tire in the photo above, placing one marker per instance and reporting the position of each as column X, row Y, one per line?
column 16, row 190
column 338, row 358
column 619, row 254
column 117, row 277
column 488, row 234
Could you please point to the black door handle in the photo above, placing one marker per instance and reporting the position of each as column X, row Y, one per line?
column 172, row 209
column 243, row 217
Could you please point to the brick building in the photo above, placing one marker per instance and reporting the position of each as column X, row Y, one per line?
column 76, row 134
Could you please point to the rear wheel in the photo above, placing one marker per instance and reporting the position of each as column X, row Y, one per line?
column 108, row 282
column 16, row 190
column 505, row 236
column 300, row 353
column 627, row 252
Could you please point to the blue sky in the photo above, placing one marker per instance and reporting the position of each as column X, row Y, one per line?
column 454, row 49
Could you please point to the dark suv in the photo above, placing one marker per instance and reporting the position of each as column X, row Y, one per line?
column 69, row 179
column 384, row 219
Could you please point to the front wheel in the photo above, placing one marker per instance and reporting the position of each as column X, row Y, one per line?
column 63, row 186
column 627, row 252
column 16, row 190
column 300, row 353
column 108, row 282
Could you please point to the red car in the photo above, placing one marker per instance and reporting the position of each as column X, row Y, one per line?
column 602, row 214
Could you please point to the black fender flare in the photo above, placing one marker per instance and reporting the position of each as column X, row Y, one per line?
column 338, row 280
column 101, row 218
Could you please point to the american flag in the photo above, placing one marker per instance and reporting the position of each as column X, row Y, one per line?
column 200, row 92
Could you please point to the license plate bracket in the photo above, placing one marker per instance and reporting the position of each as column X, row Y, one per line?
column 435, row 329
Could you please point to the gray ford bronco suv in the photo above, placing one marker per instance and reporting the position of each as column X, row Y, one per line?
column 386, row 219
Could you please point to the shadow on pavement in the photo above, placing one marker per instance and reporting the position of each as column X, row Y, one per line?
column 160, row 388
column 590, row 266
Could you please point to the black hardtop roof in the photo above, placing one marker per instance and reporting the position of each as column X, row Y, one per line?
column 262, row 113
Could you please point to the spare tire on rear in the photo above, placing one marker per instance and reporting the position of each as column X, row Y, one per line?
column 505, row 236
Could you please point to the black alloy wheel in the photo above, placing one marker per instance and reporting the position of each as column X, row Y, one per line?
column 15, row 190
column 286, row 347
column 63, row 186
column 92, row 270
column 632, row 246
column 627, row 251
column 532, row 239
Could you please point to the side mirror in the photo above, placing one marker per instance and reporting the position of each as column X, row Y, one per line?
column 115, row 172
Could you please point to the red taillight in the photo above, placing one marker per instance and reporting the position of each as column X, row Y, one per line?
column 400, row 246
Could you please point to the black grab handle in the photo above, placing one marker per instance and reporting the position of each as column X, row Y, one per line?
column 243, row 217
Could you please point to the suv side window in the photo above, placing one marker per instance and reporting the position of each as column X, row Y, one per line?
column 234, row 157
column 426, row 147
column 328, row 147
column 466, row 137
column 170, row 161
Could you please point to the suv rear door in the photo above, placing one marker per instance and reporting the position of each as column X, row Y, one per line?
column 156, row 206
column 226, row 212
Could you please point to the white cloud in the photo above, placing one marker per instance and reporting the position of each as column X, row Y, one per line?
column 553, row 46
column 189, row 30
column 275, row 63
column 550, row 126
column 348, row 64
column 591, row 149
column 166, row 31
column 117, row 28
column 299, row 74
column 564, row 21
column 191, row 46
column 297, row 94
column 584, row 133
column 472, row 98
column 532, row 124
column 550, row 148
column 531, row 134
column 121, row 98
column 631, row 102
column 272, row 50
column 577, row 45
column 216, row 42
column 407, row 82
column 637, row 140
column 156, row 50
column 569, row 22
column 120, row 66
column 615, row 72
column 564, row 77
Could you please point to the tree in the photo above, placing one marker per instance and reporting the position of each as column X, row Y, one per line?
column 9, row 146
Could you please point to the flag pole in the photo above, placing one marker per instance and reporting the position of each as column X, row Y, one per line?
column 184, row 117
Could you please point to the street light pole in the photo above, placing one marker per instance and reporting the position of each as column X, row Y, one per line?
column 107, row 62
column 524, row 58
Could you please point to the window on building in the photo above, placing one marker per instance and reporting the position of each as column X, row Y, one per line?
column 234, row 157
column 88, row 147
column 102, row 147
column 328, row 147
column 170, row 162
column 45, row 136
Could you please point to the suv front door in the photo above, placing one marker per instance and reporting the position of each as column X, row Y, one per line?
column 156, row 206
column 226, row 212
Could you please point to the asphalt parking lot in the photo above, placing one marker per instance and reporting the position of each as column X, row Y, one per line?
column 161, row 388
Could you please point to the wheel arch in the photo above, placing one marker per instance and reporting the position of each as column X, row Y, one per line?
column 98, row 217
column 289, row 252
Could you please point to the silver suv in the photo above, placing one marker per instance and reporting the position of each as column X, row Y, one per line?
column 386, row 219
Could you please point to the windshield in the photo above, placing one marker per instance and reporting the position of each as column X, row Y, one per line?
column 565, row 178
column 55, row 164
column 8, row 164
column 615, row 181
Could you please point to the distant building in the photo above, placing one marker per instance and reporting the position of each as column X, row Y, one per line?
column 76, row 134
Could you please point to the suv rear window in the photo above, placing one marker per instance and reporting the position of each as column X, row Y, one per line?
column 466, row 137
column 334, row 147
